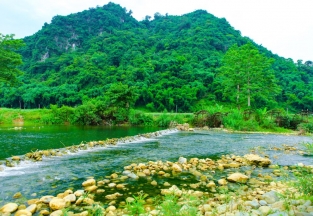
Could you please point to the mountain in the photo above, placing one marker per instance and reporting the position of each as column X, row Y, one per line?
column 172, row 61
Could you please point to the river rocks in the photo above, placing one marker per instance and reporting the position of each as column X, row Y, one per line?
column 176, row 168
column 183, row 127
column 154, row 183
column 238, row 177
column 264, row 210
column 113, row 196
column 112, row 185
column 254, row 159
column 17, row 195
column 70, row 198
column 91, row 188
column 182, row 160
column 222, row 182
column 23, row 212
column 44, row 212
column 89, row 182
column 32, row 208
column 270, row 197
column 9, row 208
column 172, row 190
column 16, row 158
column 57, row 213
column 79, row 193
column 57, row 203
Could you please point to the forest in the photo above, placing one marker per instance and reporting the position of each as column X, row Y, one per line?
column 163, row 63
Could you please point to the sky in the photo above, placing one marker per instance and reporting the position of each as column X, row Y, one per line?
column 283, row 26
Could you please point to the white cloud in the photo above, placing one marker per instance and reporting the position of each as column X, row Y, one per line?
column 283, row 26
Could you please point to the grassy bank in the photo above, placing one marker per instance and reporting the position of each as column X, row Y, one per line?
column 89, row 114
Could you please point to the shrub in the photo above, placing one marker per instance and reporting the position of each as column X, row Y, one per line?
column 139, row 118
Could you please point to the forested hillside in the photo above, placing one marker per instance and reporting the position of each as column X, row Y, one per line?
column 171, row 62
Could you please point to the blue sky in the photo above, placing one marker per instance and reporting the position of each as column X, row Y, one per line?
column 283, row 26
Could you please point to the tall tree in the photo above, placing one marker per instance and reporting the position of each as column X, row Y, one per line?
column 246, row 75
column 9, row 59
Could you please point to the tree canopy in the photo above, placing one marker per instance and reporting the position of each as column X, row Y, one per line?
column 9, row 59
column 246, row 74
column 171, row 61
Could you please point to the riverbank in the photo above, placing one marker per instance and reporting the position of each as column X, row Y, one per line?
column 68, row 116
column 232, row 185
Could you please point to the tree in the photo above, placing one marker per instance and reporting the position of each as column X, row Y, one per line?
column 246, row 74
column 9, row 59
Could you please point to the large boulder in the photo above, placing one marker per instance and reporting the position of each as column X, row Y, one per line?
column 238, row 177
column 254, row 159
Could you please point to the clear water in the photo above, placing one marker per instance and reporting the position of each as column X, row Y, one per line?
column 56, row 174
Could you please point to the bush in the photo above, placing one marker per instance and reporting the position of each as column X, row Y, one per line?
column 235, row 120
column 86, row 115
column 164, row 120
column 308, row 127
column 139, row 118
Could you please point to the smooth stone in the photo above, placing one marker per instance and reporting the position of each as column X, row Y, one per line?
column 46, row 199
column 32, row 208
column 70, row 198
column 9, row 208
column 238, row 177
column 176, row 168
column 17, row 195
column 263, row 202
column 221, row 209
column 254, row 204
column 111, row 185
column 91, row 188
column 79, row 193
column 44, row 212
column 120, row 186
column 89, row 182
column 182, row 160
column 110, row 208
column 130, row 199
column 57, row 213
column 23, row 212
column 270, row 197
column 264, row 210
column 21, row 207
column 16, row 158
column 57, row 203
column 278, row 205
column 222, row 182
column 87, row 201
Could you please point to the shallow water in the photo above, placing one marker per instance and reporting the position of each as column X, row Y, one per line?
column 56, row 174
column 18, row 141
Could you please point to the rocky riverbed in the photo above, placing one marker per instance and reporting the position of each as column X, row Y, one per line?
column 232, row 185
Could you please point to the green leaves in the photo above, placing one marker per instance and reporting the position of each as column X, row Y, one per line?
column 246, row 75
column 9, row 59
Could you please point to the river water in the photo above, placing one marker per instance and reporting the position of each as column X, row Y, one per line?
column 56, row 174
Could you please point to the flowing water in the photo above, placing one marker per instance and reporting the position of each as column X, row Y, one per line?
column 56, row 174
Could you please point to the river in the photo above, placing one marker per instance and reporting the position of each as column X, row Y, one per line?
column 56, row 174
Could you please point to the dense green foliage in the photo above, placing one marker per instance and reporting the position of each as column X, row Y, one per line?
column 246, row 75
column 169, row 62
column 9, row 59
